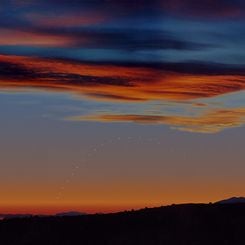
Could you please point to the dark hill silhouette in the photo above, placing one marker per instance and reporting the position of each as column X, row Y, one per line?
column 11, row 216
column 232, row 200
column 70, row 213
column 188, row 224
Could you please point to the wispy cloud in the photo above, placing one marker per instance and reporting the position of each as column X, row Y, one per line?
column 31, row 38
column 133, row 82
column 136, row 84
column 58, row 35
column 212, row 121
column 124, row 30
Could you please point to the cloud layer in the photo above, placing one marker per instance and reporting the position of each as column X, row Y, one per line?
column 123, row 51
column 120, row 83
column 125, row 31
column 160, row 82
column 212, row 121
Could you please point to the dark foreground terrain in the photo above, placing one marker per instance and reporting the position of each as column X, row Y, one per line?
column 190, row 224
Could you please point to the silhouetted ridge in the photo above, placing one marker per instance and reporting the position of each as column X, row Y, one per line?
column 232, row 200
column 189, row 224
column 71, row 213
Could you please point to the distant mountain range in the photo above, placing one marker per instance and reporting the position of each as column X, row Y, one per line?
column 68, row 214
column 232, row 200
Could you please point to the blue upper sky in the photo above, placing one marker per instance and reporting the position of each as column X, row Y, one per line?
column 125, row 31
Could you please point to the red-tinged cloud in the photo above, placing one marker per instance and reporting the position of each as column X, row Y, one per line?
column 120, row 82
column 32, row 38
column 136, row 84
column 212, row 121
column 66, row 35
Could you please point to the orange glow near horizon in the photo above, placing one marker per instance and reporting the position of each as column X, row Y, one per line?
column 178, row 196
column 121, row 196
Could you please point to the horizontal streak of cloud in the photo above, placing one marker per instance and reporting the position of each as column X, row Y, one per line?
column 90, row 38
column 212, row 121
column 169, row 83
column 107, row 81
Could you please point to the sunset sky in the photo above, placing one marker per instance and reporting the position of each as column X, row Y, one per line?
column 109, row 105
